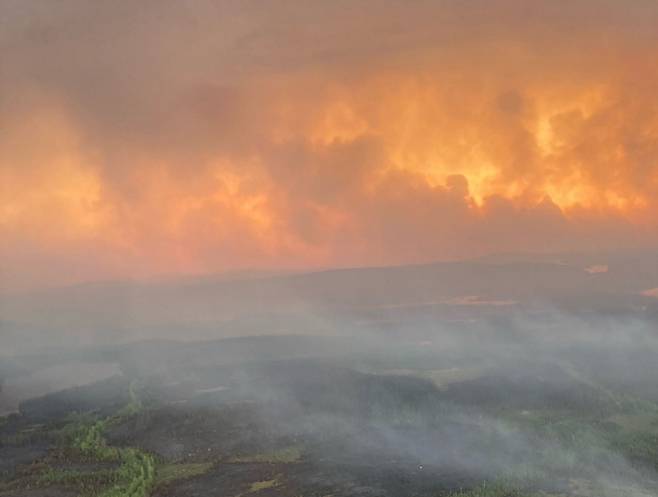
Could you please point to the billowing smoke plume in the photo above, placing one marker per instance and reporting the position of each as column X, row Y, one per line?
column 167, row 137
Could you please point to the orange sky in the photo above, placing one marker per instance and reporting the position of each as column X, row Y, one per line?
column 191, row 137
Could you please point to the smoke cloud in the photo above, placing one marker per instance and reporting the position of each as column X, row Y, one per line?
column 167, row 137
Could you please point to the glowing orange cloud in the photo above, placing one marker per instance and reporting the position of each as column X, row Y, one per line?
column 435, row 148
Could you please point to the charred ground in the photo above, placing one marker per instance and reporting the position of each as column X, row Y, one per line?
column 275, row 420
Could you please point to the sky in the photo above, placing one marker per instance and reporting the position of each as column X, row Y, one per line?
column 140, row 139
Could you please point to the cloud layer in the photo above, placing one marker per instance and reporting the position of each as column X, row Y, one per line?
column 170, row 137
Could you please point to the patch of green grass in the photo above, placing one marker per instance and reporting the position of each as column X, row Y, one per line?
column 638, row 447
column 172, row 472
column 85, row 481
column 262, row 485
column 90, row 441
column 285, row 456
column 135, row 476
column 83, row 437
